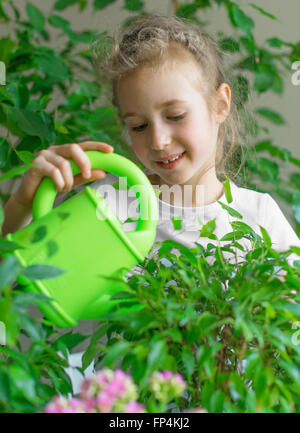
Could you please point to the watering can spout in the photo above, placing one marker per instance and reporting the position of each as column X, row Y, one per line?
column 138, row 240
column 89, row 248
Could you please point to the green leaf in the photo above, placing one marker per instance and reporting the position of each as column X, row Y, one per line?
column 229, row 44
column 188, row 361
column 274, row 42
column 271, row 115
column 5, row 96
column 122, row 186
column 167, row 245
column 5, row 391
column 177, row 223
column 82, row 5
column 296, row 205
column 7, row 46
column 9, row 269
column 281, row 153
column 133, row 5
column 15, row 171
column 265, row 236
column 115, row 353
column 240, row 19
column 35, row 17
column 131, row 220
column 33, row 328
column 262, row 11
column 156, row 192
column 4, row 148
column 3, row 15
column 19, row 93
column 1, row 217
column 8, row 246
column 60, row 23
column 216, row 402
column 39, row 234
column 233, row 236
column 157, row 354
column 278, row 84
column 174, row 334
column 22, row 301
column 41, row 272
column 23, row 382
column 269, row 170
column 93, row 348
column 16, row 12
column 264, row 76
column 63, row 215
column 232, row 212
column 52, row 248
column 242, row 227
column 29, row 122
column 71, row 340
column 249, row 44
column 25, row 156
column 89, row 355
column 208, row 229
column 102, row 4
column 227, row 190
column 52, row 65
column 63, row 4
column 187, row 10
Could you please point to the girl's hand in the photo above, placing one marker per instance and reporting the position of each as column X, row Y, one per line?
column 52, row 162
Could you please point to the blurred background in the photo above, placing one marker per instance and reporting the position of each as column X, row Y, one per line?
column 284, row 27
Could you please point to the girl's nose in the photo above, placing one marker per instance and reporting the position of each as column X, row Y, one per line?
column 160, row 137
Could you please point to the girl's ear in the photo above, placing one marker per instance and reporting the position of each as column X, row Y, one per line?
column 223, row 102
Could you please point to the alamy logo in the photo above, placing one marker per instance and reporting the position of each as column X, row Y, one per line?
column 2, row 74
column 2, row 334
column 296, row 335
column 296, row 75
column 121, row 199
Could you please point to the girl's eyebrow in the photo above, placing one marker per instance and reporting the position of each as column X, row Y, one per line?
column 164, row 104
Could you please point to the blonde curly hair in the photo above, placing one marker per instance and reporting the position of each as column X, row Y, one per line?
column 150, row 40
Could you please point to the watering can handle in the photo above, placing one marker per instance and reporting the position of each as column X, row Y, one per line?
column 120, row 166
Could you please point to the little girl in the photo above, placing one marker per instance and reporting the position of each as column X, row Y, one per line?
column 171, row 91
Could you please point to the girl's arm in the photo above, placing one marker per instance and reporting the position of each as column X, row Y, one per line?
column 16, row 215
column 52, row 162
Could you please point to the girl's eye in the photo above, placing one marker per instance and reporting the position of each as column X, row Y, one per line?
column 144, row 125
column 178, row 117
column 139, row 128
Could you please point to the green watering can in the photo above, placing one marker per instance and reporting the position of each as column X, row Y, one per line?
column 85, row 238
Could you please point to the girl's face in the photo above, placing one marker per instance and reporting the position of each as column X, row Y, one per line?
column 167, row 116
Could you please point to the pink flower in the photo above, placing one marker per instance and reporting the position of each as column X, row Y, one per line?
column 89, row 404
column 166, row 385
column 167, row 374
column 105, row 402
column 134, row 407
column 60, row 404
column 120, row 375
column 115, row 388
column 85, row 388
column 102, row 379
column 76, row 405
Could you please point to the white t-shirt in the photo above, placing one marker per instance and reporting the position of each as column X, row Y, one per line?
column 257, row 209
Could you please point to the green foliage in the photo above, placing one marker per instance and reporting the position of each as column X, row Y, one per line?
column 33, row 361
column 227, row 328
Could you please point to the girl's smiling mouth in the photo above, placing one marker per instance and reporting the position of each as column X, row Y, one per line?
column 172, row 162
